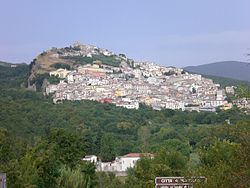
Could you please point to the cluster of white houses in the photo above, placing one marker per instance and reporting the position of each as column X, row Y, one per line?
column 126, row 86
column 120, row 165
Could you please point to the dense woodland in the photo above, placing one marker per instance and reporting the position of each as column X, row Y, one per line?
column 41, row 144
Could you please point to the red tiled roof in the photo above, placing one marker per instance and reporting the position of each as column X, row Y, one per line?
column 138, row 155
column 133, row 155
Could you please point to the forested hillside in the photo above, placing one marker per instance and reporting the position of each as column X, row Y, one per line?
column 41, row 144
column 228, row 81
column 12, row 76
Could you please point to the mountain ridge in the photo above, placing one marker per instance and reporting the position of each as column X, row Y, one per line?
column 229, row 69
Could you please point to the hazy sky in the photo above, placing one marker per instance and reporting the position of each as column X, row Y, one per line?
column 167, row 32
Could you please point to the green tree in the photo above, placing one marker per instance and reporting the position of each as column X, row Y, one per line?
column 108, row 147
column 143, row 137
column 219, row 164
column 88, row 170
column 69, row 147
column 81, row 176
column 5, row 146
column 108, row 180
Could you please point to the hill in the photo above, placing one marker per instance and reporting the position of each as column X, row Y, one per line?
column 223, row 81
column 2, row 63
column 229, row 69
column 41, row 144
column 39, row 139
column 227, row 81
column 73, row 56
column 13, row 75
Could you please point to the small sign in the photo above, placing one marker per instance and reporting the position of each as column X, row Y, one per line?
column 175, row 186
column 177, row 182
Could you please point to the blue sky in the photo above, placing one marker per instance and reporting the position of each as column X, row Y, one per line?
column 177, row 33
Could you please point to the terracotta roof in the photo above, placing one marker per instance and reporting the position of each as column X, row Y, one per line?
column 132, row 155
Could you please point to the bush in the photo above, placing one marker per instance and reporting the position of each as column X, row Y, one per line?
column 61, row 65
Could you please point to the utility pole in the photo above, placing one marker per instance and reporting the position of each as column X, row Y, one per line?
column 3, row 180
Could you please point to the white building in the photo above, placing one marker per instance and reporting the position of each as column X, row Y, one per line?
column 122, row 163
column 219, row 95
column 90, row 158
column 61, row 73
column 127, row 161
column 51, row 88
column 129, row 105
column 230, row 89
column 137, row 73
column 174, row 105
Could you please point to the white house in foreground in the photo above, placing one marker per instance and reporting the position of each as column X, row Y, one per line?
column 120, row 165
column 90, row 158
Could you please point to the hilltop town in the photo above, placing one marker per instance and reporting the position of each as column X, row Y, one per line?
column 128, row 83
